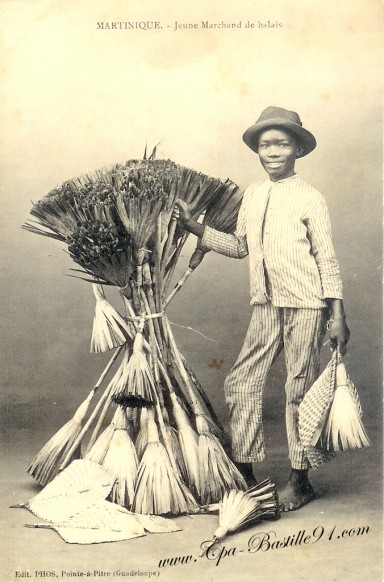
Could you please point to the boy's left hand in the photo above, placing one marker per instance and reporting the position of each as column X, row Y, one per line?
column 339, row 334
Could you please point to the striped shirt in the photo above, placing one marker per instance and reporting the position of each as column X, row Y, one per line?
column 285, row 229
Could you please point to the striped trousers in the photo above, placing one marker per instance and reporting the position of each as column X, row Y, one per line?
column 300, row 332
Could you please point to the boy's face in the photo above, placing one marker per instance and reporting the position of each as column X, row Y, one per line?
column 278, row 151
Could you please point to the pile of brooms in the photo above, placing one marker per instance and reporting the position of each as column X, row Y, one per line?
column 153, row 425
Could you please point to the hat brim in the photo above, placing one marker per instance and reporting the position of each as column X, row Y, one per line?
column 305, row 137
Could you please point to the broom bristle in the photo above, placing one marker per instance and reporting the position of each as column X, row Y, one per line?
column 45, row 466
column 47, row 463
column 109, row 329
column 121, row 460
column 236, row 509
column 100, row 447
column 344, row 428
column 239, row 509
column 158, row 489
column 188, row 441
column 136, row 377
column 142, row 437
column 176, row 450
column 217, row 473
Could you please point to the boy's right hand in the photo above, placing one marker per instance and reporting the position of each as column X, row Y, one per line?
column 182, row 213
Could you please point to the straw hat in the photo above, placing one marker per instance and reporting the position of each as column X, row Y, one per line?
column 279, row 117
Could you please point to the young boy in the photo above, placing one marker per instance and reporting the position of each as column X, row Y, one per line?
column 283, row 226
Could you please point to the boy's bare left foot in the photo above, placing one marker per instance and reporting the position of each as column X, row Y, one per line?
column 298, row 492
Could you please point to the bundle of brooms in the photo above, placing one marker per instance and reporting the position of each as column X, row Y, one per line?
column 118, row 226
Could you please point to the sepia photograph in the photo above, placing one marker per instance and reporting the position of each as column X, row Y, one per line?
column 191, row 290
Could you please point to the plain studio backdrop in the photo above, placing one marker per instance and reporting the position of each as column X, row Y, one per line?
column 77, row 97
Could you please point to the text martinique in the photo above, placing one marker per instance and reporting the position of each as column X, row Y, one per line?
column 204, row 24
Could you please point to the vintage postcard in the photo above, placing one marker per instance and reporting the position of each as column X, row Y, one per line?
column 118, row 109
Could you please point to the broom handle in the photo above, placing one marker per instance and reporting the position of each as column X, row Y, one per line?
column 160, row 418
column 100, row 421
column 153, row 344
column 195, row 260
column 94, row 412
column 196, row 406
column 157, row 258
column 171, row 234
column 177, row 287
column 152, row 304
column 169, row 275
column 108, row 367
column 145, row 343
column 203, row 395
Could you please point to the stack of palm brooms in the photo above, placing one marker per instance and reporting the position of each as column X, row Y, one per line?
column 153, row 425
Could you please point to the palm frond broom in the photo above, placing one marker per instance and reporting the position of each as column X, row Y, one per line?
column 65, row 445
column 240, row 509
column 159, row 490
column 121, row 460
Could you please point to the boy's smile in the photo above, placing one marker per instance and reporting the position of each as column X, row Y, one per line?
column 278, row 151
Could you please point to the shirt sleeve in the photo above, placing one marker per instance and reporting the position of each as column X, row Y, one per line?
column 320, row 236
column 231, row 245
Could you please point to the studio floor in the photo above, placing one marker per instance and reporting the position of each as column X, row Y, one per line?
column 342, row 528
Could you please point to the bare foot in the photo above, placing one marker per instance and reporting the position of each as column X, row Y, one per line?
column 297, row 492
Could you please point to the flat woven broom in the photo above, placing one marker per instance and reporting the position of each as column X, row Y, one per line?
column 344, row 429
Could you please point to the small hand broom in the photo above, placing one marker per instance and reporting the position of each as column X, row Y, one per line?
column 344, row 428
column 239, row 509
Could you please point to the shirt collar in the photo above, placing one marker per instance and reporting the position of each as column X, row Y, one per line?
column 294, row 177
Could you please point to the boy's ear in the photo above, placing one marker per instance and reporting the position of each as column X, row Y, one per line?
column 299, row 150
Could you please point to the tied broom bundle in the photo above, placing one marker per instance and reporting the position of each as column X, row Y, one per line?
column 159, row 490
column 343, row 429
column 240, row 509
column 118, row 228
